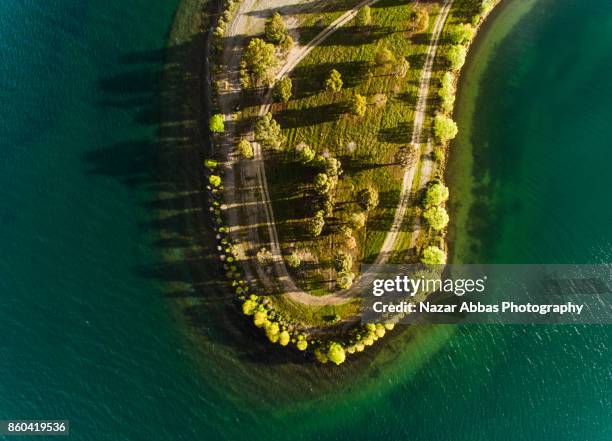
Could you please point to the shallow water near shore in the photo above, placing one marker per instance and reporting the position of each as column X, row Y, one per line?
column 90, row 334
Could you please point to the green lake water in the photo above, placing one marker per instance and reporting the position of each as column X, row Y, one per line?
column 88, row 332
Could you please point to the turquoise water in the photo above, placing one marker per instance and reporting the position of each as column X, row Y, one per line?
column 89, row 333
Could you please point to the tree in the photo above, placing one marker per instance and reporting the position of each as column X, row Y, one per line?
column 320, row 161
column 357, row 220
column 264, row 256
column 284, row 338
column 245, row 148
column 445, row 128
column 286, row 44
column 436, row 194
column 293, row 260
column 456, row 56
column 380, row 330
column 364, row 16
column 328, row 204
column 437, row 217
column 305, row 154
column 406, row 155
column 210, row 164
column 322, row 183
column 214, row 180
column 333, row 167
column 272, row 331
column 282, row 89
column 359, row 105
column 418, row 20
column 334, row 81
column 343, row 261
column 368, row 198
column 384, row 57
column 403, row 66
column 302, row 345
column 275, row 29
column 461, row 33
column 260, row 318
column 315, row 224
column 432, row 255
column 249, row 307
column 448, row 81
column 259, row 61
column 335, row 353
column 345, row 231
column 216, row 123
column 268, row 131
column 345, row 279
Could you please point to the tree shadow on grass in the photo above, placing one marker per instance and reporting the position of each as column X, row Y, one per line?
column 345, row 36
column 400, row 134
column 313, row 5
column 417, row 61
column 407, row 98
column 292, row 118
column 310, row 79
column 353, row 166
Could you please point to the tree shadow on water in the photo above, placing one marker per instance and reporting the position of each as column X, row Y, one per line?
column 166, row 90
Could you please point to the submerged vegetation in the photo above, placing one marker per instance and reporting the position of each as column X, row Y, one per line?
column 336, row 135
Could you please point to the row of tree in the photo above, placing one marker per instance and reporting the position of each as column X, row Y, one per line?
column 436, row 216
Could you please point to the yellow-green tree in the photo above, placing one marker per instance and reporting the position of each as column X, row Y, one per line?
column 345, row 279
column 364, row 16
column 275, row 29
column 284, row 338
column 445, row 128
column 245, row 148
column 315, row 224
column 282, row 89
column 293, row 260
column 384, row 57
column 260, row 318
column 258, row 62
column 436, row 194
column 368, row 198
column 216, row 123
column 437, row 217
column 359, row 105
column 249, row 307
column 268, row 131
column 343, row 261
column 214, row 180
column 432, row 255
column 334, row 81
column 460, row 33
column 335, row 353
column 456, row 56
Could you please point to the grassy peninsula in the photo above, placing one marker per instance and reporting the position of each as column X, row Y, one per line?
column 330, row 124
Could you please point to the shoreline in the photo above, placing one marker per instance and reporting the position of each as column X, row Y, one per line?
column 460, row 163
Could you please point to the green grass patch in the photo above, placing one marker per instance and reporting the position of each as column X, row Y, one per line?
column 366, row 145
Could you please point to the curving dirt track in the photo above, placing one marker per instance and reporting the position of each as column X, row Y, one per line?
column 249, row 192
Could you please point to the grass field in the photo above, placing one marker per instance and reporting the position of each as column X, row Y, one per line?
column 366, row 145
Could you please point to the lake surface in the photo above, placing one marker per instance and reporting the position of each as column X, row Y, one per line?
column 90, row 334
